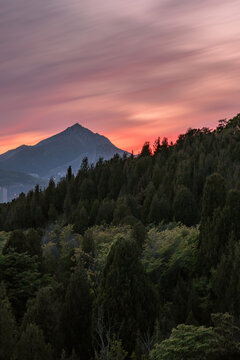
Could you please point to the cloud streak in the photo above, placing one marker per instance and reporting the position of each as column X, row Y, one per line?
column 131, row 70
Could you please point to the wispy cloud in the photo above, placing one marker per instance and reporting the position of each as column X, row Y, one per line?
column 132, row 70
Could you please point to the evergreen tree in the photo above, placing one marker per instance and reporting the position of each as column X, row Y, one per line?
column 70, row 175
column 33, row 240
column 157, row 146
column 212, row 227
column 80, row 220
column 146, row 150
column 21, row 277
column 52, row 213
column 159, row 210
column 31, row 345
column 185, row 208
column 88, row 244
column 45, row 311
column 8, row 327
column 139, row 233
column 105, row 212
column 77, row 315
column 16, row 241
column 126, row 295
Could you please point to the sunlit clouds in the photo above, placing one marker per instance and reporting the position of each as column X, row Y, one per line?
column 130, row 70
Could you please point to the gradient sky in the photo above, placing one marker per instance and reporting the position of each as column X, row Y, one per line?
column 131, row 70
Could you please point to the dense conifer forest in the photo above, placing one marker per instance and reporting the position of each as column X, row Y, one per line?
column 135, row 258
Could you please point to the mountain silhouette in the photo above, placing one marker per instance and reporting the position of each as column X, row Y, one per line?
column 52, row 156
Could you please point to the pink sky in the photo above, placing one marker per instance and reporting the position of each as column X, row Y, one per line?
column 130, row 70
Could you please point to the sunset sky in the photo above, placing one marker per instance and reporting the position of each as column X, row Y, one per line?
column 130, row 70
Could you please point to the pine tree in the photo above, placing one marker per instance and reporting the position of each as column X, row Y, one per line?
column 80, row 220
column 146, row 150
column 157, row 146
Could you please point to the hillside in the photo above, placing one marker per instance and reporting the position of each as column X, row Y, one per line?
column 135, row 258
column 162, row 186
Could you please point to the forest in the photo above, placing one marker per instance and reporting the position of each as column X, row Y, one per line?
column 134, row 258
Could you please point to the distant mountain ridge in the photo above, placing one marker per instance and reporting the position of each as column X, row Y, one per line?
column 13, row 178
column 52, row 156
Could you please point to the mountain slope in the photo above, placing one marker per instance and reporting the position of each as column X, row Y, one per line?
column 12, row 178
column 52, row 156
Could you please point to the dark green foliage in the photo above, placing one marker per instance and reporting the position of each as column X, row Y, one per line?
column 80, row 220
column 139, row 233
column 77, row 314
column 16, row 241
column 213, row 232
column 146, row 150
column 45, row 311
column 214, row 195
column 228, row 336
column 126, row 295
column 20, row 242
column 157, row 146
column 33, row 240
column 185, row 165
column 21, row 277
column 159, row 210
column 96, row 267
column 105, row 212
column 8, row 327
column 121, row 211
column 31, row 345
column 88, row 244
column 185, row 207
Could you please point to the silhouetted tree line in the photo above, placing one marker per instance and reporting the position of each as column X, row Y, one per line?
column 161, row 184
column 112, row 264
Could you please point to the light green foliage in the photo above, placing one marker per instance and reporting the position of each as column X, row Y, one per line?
column 199, row 342
column 186, row 342
column 104, row 236
column 4, row 236
column 227, row 334
column 114, row 351
column 59, row 244
column 171, row 249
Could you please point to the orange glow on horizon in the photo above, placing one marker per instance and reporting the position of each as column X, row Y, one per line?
column 128, row 140
column 11, row 142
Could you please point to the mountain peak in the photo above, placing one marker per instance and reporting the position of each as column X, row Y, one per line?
column 76, row 126
column 52, row 156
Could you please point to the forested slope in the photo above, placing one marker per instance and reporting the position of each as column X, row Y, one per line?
column 163, row 185
column 136, row 258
